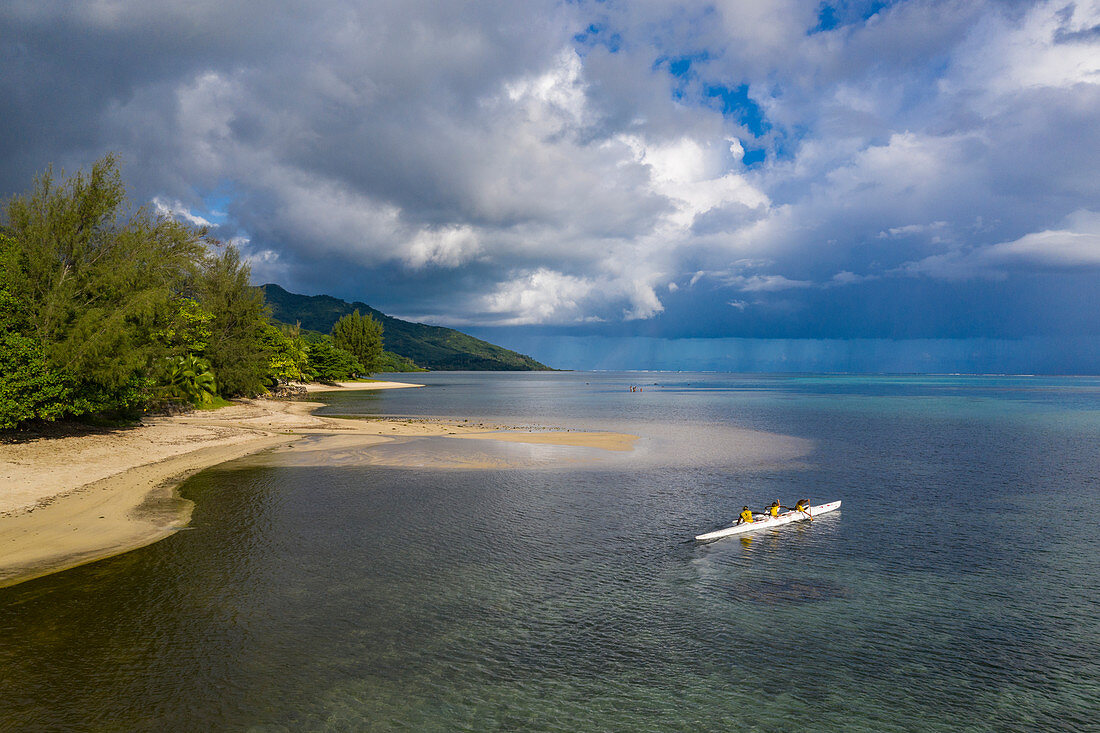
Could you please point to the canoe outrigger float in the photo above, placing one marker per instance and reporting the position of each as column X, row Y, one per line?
column 784, row 518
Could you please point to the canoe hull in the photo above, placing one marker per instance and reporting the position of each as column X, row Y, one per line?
column 784, row 518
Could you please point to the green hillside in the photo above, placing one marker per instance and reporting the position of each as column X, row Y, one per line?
column 433, row 347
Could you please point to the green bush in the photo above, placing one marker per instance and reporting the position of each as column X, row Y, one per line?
column 331, row 364
column 190, row 379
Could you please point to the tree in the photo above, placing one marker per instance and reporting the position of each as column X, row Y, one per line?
column 330, row 363
column 93, row 285
column 235, row 350
column 288, row 360
column 188, row 331
column 362, row 337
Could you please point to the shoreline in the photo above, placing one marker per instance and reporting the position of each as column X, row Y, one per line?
column 73, row 500
column 311, row 387
column 108, row 517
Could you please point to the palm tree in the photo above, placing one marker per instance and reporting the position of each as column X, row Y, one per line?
column 191, row 379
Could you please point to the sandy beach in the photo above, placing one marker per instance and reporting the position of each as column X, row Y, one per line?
column 71, row 500
column 376, row 384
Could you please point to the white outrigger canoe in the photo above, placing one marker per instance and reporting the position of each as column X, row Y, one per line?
column 784, row 518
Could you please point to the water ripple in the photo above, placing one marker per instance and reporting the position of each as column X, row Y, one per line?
column 365, row 596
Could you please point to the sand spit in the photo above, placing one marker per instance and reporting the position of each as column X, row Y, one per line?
column 316, row 387
column 72, row 500
column 130, row 509
column 606, row 441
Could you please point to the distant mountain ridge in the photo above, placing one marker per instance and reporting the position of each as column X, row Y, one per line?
column 434, row 347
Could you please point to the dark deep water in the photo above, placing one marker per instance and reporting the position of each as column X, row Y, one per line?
column 957, row 589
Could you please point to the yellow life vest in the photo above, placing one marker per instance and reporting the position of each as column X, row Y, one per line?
column 802, row 507
column 747, row 515
column 774, row 510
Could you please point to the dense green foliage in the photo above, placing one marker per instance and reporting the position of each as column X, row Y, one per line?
column 191, row 380
column 236, row 349
column 389, row 362
column 189, row 330
column 289, row 358
column 434, row 347
column 106, row 310
column 362, row 337
column 331, row 363
column 29, row 390
column 93, row 290
column 89, row 296
column 392, row 362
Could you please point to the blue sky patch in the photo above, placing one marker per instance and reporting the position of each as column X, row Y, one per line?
column 831, row 16
column 216, row 202
column 597, row 34
column 735, row 102
column 754, row 156
column 681, row 66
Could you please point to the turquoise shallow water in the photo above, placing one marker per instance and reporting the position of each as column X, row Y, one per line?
column 957, row 588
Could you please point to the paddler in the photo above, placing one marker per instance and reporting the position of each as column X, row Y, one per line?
column 803, row 505
column 773, row 508
column 746, row 516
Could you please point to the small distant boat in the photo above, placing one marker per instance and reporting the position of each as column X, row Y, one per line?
column 784, row 518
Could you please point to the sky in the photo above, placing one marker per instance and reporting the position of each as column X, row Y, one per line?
column 783, row 185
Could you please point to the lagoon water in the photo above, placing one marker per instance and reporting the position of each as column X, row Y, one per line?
column 957, row 589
